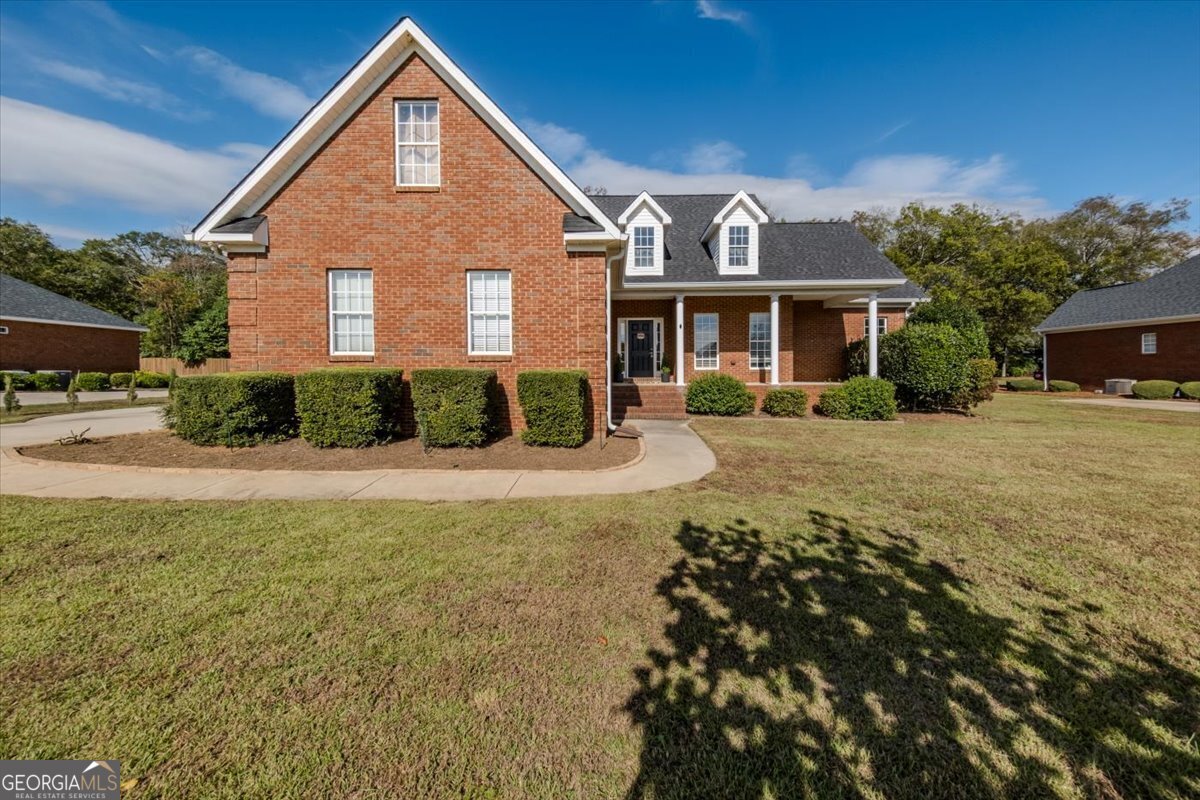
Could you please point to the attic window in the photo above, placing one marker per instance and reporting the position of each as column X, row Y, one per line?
column 739, row 245
column 643, row 246
column 418, row 143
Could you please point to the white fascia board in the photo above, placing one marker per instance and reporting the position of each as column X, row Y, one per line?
column 1125, row 323
column 644, row 198
column 130, row 328
column 883, row 301
column 253, row 242
column 324, row 119
column 759, row 215
column 764, row 287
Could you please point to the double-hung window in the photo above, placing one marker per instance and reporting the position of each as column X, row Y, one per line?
column 880, row 325
column 351, row 312
column 418, row 143
column 739, row 246
column 1149, row 344
column 760, row 340
column 643, row 246
column 489, row 313
column 704, row 344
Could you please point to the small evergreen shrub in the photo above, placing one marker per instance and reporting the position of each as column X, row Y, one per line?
column 785, row 403
column 554, row 403
column 928, row 364
column 454, row 407
column 152, row 380
column 1023, row 385
column 45, row 382
column 860, row 398
column 237, row 409
column 73, row 393
column 120, row 380
column 981, row 384
column 856, row 356
column 719, row 394
column 20, row 380
column 11, row 401
column 1155, row 390
column 348, row 407
column 92, row 381
column 1190, row 390
column 1064, row 386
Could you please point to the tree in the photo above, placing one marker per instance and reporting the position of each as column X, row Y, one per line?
column 208, row 336
column 11, row 401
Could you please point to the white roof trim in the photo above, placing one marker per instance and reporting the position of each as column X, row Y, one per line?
column 1124, row 323
column 763, row 287
column 760, row 216
column 649, row 202
column 331, row 111
column 253, row 242
column 39, row 320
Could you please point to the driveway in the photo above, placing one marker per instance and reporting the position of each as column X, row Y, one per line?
column 1129, row 402
column 45, row 398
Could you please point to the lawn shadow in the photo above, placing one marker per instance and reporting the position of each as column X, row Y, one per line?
column 830, row 662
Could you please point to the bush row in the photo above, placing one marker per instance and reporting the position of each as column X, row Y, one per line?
column 87, row 381
column 858, row 398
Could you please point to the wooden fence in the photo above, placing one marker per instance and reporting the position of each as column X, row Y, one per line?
column 163, row 365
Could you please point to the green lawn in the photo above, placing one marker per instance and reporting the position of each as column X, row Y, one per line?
column 26, row 413
column 1003, row 606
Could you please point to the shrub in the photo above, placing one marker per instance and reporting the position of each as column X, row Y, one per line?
column 45, row 382
column 1023, row 385
column 92, row 381
column 1155, row 390
column 348, row 407
column 1064, row 386
column 554, row 403
column 928, row 365
column 722, row 395
column 964, row 320
column 152, row 380
column 860, row 398
column 73, row 394
column 981, row 382
column 11, row 401
column 454, row 407
column 1190, row 390
column 857, row 356
column 120, row 380
column 785, row 403
column 20, row 380
column 237, row 409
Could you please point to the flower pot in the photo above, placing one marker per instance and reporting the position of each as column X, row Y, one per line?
column 666, row 377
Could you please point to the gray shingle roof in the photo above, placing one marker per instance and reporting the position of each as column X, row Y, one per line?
column 21, row 299
column 240, row 225
column 1174, row 292
column 906, row 291
column 574, row 223
column 788, row 251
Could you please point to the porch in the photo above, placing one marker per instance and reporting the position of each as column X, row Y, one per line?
column 634, row 400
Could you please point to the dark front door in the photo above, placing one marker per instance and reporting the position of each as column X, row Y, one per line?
column 641, row 348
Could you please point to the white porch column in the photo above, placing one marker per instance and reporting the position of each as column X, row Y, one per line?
column 775, row 339
column 873, row 335
column 679, row 339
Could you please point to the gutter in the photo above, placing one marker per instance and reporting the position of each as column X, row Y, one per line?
column 608, row 372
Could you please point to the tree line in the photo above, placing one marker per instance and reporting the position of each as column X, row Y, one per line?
column 175, row 288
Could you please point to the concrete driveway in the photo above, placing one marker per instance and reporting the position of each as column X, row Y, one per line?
column 46, row 398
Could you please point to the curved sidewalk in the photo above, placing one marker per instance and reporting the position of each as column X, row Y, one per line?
column 673, row 455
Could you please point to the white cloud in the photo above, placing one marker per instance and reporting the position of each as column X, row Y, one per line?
column 710, row 158
column 711, row 9
column 66, row 236
column 65, row 158
column 135, row 93
column 266, row 94
column 560, row 144
column 883, row 182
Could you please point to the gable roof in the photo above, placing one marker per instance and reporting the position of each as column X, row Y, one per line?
column 336, row 107
column 1171, row 294
column 788, row 251
column 28, row 303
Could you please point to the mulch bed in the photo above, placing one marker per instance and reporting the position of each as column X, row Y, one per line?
column 162, row 449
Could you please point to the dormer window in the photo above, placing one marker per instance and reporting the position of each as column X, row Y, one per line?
column 739, row 245
column 732, row 236
column 643, row 247
column 644, row 222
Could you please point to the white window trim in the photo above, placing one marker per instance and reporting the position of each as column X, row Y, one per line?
column 695, row 348
column 882, row 324
column 732, row 247
column 398, row 144
column 470, row 314
column 750, row 341
column 653, row 247
column 1152, row 340
column 333, row 351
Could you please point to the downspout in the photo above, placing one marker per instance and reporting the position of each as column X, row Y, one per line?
column 1045, row 367
column 608, row 371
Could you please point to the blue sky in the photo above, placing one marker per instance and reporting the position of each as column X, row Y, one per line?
column 141, row 115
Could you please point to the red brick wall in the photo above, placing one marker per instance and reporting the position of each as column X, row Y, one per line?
column 343, row 210
column 1091, row 357
column 821, row 335
column 31, row 346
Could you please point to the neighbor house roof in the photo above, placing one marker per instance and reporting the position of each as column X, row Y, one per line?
column 24, row 302
column 788, row 251
column 1170, row 295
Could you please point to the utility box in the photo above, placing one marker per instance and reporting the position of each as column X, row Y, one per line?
column 1118, row 386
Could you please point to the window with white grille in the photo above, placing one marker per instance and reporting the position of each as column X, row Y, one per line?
column 351, row 312
column 880, row 325
column 704, row 335
column 418, row 143
column 643, row 246
column 760, row 340
column 739, row 246
column 489, row 312
column 1149, row 344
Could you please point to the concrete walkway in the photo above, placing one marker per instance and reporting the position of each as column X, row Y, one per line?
column 46, row 398
column 1146, row 405
column 673, row 455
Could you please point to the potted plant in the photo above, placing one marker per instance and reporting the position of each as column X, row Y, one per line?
column 665, row 369
column 619, row 369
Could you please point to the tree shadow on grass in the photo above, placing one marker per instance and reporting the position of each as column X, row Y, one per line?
column 834, row 663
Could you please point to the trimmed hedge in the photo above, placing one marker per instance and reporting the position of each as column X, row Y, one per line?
column 1190, row 390
column 237, row 409
column 20, row 380
column 860, row 398
column 92, row 382
column 454, row 407
column 720, row 395
column 152, row 380
column 785, row 403
column 1023, row 385
column 1155, row 390
column 1064, row 386
column 45, row 382
column 554, row 403
column 348, row 407
column 120, row 380
column 928, row 363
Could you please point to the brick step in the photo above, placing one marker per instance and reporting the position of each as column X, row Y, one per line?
column 648, row 401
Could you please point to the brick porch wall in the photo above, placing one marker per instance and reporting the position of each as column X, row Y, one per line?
column 1091, row 357
column 30, row 346
column 821, row 335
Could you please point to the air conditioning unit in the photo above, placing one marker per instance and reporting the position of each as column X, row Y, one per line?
column 1119, row 386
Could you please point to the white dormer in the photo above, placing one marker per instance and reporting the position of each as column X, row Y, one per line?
column 644, row 222
column 732, row 236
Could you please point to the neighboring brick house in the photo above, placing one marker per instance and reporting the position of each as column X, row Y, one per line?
column 1140, row 331
column 406, row 221
column 41, row 330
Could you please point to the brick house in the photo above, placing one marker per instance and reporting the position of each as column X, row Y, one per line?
column 407, row 221
column 1140, row 331
column 42, row 330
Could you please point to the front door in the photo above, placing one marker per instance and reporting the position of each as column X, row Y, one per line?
column 641, row 348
